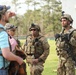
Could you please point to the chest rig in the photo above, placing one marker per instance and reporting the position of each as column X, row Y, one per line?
column 64, row 48
column 34, row 46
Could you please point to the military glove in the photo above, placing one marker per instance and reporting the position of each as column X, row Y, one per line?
column 57, row 36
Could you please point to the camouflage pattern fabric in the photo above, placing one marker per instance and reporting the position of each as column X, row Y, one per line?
column 36, row 69
column 66, row 67
column 37, row 48
column 66, row 63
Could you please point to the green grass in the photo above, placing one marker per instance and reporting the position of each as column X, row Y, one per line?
column 50, row 65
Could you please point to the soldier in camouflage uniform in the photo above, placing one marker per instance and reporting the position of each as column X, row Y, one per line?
column 36, row 49
column 65, row 46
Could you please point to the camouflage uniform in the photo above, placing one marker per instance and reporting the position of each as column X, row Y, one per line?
column 36, row 48
column 66, row 50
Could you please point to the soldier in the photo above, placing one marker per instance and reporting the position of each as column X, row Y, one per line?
column 65, row 46
column 5, row 52
column 16, row 49
column 36, row 49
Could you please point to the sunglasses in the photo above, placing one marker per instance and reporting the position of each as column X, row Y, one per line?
column 33, row 30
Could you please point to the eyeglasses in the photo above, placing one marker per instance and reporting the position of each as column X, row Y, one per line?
column 33, row 30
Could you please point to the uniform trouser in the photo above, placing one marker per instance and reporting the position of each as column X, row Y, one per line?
column 36, row 69
column 66, row 67
column 4, row 72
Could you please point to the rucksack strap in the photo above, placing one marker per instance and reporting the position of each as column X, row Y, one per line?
column 2, row 29
column 71, row 32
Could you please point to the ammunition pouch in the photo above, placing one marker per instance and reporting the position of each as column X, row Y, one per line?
column 29, row 49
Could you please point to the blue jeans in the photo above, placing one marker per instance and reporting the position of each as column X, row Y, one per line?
column 4, row 72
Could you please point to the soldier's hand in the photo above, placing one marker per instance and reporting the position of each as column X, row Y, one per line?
column 35, row 61
column 57, row 36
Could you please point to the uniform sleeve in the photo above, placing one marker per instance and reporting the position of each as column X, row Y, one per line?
column 46, row 51
column 73, row 39
column 4, row 40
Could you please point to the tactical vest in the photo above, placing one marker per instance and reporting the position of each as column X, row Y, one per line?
column 63, row 47
column 34, row 46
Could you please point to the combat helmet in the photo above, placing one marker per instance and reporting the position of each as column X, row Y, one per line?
column 3, row 9
column 67, row 16
column 35, row 26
